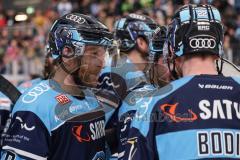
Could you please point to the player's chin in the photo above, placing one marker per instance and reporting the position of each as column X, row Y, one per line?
column 91, row 80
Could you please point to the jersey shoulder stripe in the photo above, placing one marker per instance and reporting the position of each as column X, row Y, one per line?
column 237, row 79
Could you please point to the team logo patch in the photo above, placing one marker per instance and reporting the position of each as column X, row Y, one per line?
column 62, row 99
column 24, row 125
column 77, row 132
column 170, row 111
column 95, row 131
column 107, row 80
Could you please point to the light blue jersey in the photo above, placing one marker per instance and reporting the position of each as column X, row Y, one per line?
column 195, row 117
column 45, row 114
column 126, row 113
column 121, row 80
column 6, row 104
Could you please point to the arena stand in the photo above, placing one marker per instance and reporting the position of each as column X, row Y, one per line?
column 22, row 44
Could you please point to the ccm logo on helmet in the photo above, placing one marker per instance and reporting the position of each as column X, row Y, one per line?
column 75, row 18
column 202, row 42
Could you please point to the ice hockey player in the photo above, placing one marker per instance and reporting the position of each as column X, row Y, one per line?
column 196, row 116
column 60, row 118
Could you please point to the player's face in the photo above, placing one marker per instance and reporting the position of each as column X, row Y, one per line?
column 92, row 63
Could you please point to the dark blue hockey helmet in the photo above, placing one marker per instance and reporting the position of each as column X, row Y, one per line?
column 74, row 31
column 195, row 29
column 129, row 28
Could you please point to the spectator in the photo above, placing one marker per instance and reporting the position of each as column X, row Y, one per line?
column 64, row 7
column 3, row 21
column 234, row 41
column 39, row 19
column 30, row 35
column 238, row 27
column 10, row 17
column 12, row 52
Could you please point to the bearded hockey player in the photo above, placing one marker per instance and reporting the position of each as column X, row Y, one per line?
column 60, row 118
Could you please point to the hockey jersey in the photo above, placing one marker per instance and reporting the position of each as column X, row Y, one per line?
column 121, row 80
column 48, row 123
column 126, row 113
column 5, row 102
column 195, row 117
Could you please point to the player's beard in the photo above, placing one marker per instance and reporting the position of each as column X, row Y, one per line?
column 85, row 79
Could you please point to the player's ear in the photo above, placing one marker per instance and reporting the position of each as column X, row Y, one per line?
column 142, row 44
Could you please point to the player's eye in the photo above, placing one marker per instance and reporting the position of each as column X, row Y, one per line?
column 68, row 52
column 95, row 53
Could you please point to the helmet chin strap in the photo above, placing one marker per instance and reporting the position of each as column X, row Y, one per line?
column 219, row 69
column 74, row 74
column 64, row 68
column 173, row 70
column 76, row 80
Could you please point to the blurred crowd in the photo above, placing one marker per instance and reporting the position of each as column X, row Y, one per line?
column 25, row 41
